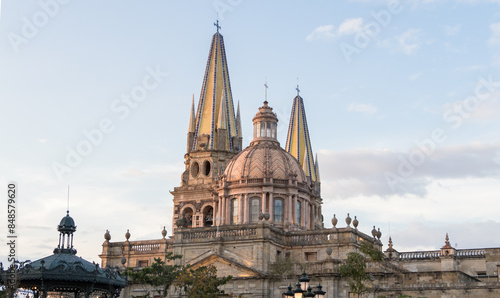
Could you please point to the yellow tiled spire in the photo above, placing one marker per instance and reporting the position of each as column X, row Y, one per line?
column 298, row 143
column 216, row 88
column 238, row 121
column 192, row 118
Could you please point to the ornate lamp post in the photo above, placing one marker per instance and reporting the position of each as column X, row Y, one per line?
column 319, row 293
column 303, row 289
column 304, row 282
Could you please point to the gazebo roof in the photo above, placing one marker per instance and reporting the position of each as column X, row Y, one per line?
column 65, row 272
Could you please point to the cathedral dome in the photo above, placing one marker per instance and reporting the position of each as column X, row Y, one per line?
column 264, row 158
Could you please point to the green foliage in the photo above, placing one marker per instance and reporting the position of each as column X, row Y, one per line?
column 281, row 269
column 160, row 275
column 201, row 282
column 369, row 250
column 354, row 268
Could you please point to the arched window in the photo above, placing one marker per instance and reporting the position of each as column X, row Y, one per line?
column 234, row 211
column 187, row 216
column 278, row 210
column 254, row 209
column 298, row 214
column 208, row 216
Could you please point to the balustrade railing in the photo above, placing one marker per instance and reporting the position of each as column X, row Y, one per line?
column 464, row 253
column 145, row 247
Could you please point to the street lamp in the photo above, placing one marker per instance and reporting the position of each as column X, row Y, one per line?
column 309, row 292
column 319, row 293
column 304, row 282
column 303, row 289
column 298, row 293
column 289, row 293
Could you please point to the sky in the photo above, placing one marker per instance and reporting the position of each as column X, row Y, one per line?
column 402, row 102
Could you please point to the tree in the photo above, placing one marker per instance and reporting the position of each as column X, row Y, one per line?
column 160, row 275
column 201, row 282
column 355, row 267
column 281, row 269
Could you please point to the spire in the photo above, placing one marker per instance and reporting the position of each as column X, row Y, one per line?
column 216, row 87
column 298, row 143
column 221, row 123
column 238, row 120
column 192, row 118
column 316, row 167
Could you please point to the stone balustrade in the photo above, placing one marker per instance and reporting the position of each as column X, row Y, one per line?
column 463, row 253
column 471, row 253
column 145, row 247
column 256, row 231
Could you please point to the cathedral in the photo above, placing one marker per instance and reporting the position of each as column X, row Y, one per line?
column 245, row 210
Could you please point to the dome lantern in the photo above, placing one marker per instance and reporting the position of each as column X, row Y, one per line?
column 265, row 125
column 66, row 229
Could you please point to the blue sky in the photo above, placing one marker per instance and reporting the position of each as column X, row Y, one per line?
column 401, row 99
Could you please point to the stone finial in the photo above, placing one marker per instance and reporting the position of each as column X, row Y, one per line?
column 164, row 232
column 107, row 236
column 348, row 220
column 261, row 216
column 127, row 235
column 334, row 221
column 447, row 240
column 355, row 222
column 267, row 216
column 390, row 243
column 379, row 234
column 123, row 261
column 374, row 232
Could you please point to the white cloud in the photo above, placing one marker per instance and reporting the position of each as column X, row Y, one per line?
column 494, row 39
column 415, row 76
column 321, row 32
column 42, row 140
column 362, row 108
column 410, row 41
column 351, row 26
column 471, row 68
column 452, row 30
column 361, row 172
column 347, row 27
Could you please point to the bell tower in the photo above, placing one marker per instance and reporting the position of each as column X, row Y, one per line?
column 213, row 139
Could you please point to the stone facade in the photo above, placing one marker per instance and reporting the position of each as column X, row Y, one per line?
column 245, row 211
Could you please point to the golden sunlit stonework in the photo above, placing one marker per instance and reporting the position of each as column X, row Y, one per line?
column 249, row 211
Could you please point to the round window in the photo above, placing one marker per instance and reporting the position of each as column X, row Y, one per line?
column 195, row 169
column 206, row 167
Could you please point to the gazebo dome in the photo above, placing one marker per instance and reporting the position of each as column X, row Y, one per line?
column 67, row 224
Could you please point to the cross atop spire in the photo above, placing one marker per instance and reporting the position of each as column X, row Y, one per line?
column 217, row 23
column 298, row 90
column 265, row 85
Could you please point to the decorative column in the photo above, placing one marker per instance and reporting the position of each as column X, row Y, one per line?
column 219, row 212
column 241, row 207
column 245, row 209
column 263, row 203
column 227, row 215
column 271, row 207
